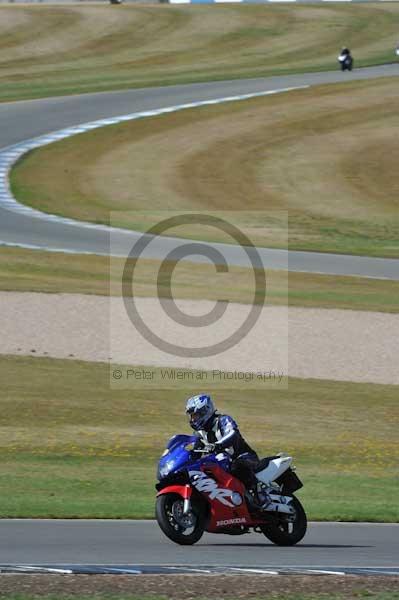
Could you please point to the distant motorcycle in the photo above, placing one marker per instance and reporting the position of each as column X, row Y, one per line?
column 345, row 59
column 198, row 493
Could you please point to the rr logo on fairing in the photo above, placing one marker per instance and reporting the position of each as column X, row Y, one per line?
column 209, row 486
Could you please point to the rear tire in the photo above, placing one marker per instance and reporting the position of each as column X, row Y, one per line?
column 284, row 533
column 166, row 509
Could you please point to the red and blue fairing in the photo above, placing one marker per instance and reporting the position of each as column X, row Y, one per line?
column 208, row 479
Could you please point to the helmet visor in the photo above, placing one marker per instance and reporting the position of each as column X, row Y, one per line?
column 196, row 416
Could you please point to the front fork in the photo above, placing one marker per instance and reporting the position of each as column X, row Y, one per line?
column 184, row 491
column 186, row 506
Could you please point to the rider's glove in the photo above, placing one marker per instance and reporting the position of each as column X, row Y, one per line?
column 198, row 444
column 213, row 448
column 210, row 448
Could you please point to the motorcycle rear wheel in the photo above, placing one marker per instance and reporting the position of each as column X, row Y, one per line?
column 284, row 533
column 167, row 510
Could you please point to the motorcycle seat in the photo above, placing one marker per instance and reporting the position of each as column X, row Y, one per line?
column 264, row 463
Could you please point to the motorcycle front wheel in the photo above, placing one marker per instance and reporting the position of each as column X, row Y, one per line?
column 181, row 529
column 287, row 533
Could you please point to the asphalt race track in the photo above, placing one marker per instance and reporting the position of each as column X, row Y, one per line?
column 140, row 545
column 20, row 121
column 136, row 546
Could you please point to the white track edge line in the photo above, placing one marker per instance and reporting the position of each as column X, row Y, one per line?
column 11, row 154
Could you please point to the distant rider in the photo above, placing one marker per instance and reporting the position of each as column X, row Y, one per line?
column 217, row 433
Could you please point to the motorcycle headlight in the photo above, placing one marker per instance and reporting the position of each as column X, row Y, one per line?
column 165, row 469
column 162, row 473
column 165, row 452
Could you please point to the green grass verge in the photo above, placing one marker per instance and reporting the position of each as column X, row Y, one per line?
column 73, row 447
column 36, row 271
column 59, row 50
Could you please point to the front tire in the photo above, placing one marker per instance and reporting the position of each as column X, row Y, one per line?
column 183, row 530
column 285, row 533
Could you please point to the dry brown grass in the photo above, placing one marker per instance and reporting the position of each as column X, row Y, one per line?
column 50, row 50
column 327, row 156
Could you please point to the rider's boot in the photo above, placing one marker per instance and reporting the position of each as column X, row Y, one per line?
column 263, row 498
column 258, row 499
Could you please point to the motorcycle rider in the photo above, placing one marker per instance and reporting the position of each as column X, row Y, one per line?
column 217, row 433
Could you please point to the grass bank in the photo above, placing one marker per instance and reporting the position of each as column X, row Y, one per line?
column 60, row 50
column 72, row 447
column 325, row 156
column 35, row 271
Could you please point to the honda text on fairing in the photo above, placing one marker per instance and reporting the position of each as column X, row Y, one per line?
column 197, row 493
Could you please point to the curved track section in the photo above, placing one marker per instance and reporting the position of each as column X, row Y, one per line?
column 25, row 120
column 140, row 546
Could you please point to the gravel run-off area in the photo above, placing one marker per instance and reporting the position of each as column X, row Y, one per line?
column 332, row 344
column 196, row 586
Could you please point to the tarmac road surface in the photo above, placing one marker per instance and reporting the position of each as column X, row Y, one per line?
column 23, row 120
column 111, row 542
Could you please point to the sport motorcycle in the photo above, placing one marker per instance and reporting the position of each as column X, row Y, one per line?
column 346, row 61
column 196, row 493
